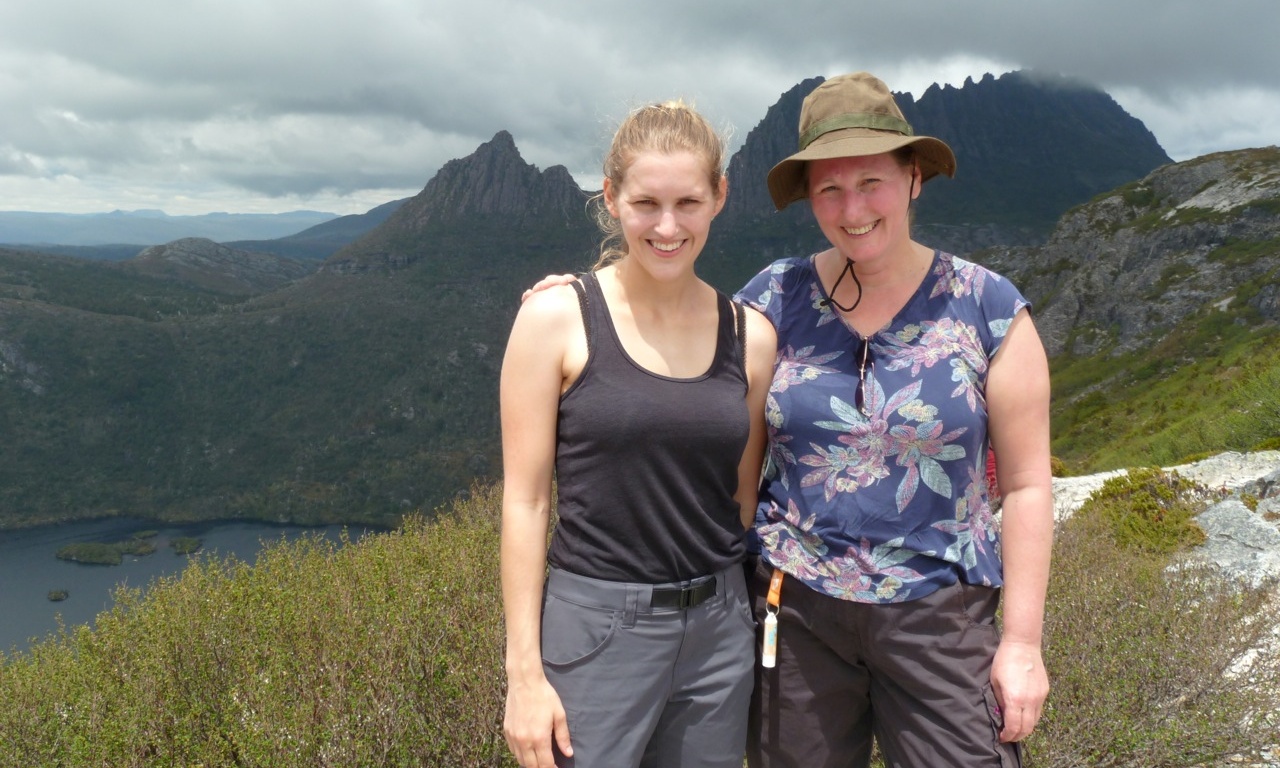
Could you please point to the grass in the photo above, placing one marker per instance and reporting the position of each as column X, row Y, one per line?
column 1210, row 387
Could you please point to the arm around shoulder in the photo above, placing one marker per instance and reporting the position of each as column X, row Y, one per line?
column 761, row 353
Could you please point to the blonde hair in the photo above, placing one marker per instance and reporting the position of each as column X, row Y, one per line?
column 669, row 127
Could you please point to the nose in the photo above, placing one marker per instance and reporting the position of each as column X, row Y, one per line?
column 854, row 204
column 667, row 224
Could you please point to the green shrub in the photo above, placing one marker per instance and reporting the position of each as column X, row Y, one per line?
column 1154, row 661
column 1270, row 444
column 1149, row 511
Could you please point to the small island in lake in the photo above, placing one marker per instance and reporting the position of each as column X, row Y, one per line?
column 113, row 552
column 185, row 545
column 58, row 595
column 108, row 553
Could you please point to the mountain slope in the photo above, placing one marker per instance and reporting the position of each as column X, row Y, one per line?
column 1159, row 304
column 206, row 264
column 323, row 240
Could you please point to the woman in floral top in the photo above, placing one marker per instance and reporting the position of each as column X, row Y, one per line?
column 898, row 367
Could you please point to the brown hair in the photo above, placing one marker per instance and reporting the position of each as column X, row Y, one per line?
column 668, row 127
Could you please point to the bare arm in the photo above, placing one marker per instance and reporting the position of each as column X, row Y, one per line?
column 762, row 351
column 1018, row 400
column 533, row 375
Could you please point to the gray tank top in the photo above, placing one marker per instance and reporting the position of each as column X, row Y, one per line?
column 647, row 465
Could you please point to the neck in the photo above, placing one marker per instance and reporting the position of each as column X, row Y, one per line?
column 905, row 265
column 638, row 287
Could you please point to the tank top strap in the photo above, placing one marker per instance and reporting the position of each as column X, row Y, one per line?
column 731, row 339
column 585, row 307
column 731, row 349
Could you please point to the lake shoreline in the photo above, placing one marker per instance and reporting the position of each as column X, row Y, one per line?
column 30, row 569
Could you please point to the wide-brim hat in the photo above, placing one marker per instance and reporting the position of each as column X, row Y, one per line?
column 853, row 115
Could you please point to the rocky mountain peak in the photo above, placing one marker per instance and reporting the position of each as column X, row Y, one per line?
column 492, row 183
column 771, row 140
column 495, row 180
column 1028, row 146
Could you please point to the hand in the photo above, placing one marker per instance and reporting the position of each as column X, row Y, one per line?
column 550, row 281
column 533, row 716
column 1021, row 684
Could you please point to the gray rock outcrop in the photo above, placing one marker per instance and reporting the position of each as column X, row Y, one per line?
column 1242, row 530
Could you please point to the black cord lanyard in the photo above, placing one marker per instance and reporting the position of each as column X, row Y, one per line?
column 848, row 270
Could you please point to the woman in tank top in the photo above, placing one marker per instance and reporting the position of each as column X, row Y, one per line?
column 882, row 563
column 640, row 390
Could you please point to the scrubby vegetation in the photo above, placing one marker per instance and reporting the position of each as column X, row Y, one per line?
column 1154, row 660
column 388, row 652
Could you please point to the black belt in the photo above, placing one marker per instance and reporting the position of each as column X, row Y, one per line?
column 683, row 597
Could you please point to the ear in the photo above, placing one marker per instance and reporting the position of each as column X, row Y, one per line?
column 722, row 194
column 610, row 203
column 917, row 180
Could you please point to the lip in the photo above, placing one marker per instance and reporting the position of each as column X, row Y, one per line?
column 665, row 252
column 865, row 229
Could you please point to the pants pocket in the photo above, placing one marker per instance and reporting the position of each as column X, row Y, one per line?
column 1010, row 754
column 573, row 634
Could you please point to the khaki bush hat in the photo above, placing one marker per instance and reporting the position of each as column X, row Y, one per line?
column 852, row 116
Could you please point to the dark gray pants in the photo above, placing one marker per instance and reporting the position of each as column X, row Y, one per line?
column 916, row 675
column 642, row 686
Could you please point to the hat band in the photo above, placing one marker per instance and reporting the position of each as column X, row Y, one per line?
column 870, row 120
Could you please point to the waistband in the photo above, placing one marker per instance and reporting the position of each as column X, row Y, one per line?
column 635, row 597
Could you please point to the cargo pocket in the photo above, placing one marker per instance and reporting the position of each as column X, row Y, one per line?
column 1010, row 754
column 574, row 634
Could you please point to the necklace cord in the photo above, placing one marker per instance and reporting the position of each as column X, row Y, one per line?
column 848, row 270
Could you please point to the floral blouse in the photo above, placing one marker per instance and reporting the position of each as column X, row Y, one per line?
column 875, row 489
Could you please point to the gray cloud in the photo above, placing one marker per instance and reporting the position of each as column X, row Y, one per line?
column 250, row 105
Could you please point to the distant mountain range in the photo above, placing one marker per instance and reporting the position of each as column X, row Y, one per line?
column 149, row 227
column 205, row 380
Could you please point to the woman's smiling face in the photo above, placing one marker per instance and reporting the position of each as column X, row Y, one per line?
column 665, row 205
column 862, row 204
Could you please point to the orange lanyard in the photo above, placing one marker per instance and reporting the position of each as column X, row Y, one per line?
column 769, row 648
column 775, row 589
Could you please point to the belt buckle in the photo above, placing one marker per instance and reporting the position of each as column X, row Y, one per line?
column 687, row 596
column 696, row 594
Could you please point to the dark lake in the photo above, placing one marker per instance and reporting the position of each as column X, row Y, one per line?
column 29, row 569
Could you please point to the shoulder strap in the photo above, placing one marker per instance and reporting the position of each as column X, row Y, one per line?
column 742, row 333
column 582, row 306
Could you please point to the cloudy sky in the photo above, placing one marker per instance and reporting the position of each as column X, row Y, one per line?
column 192, row 106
